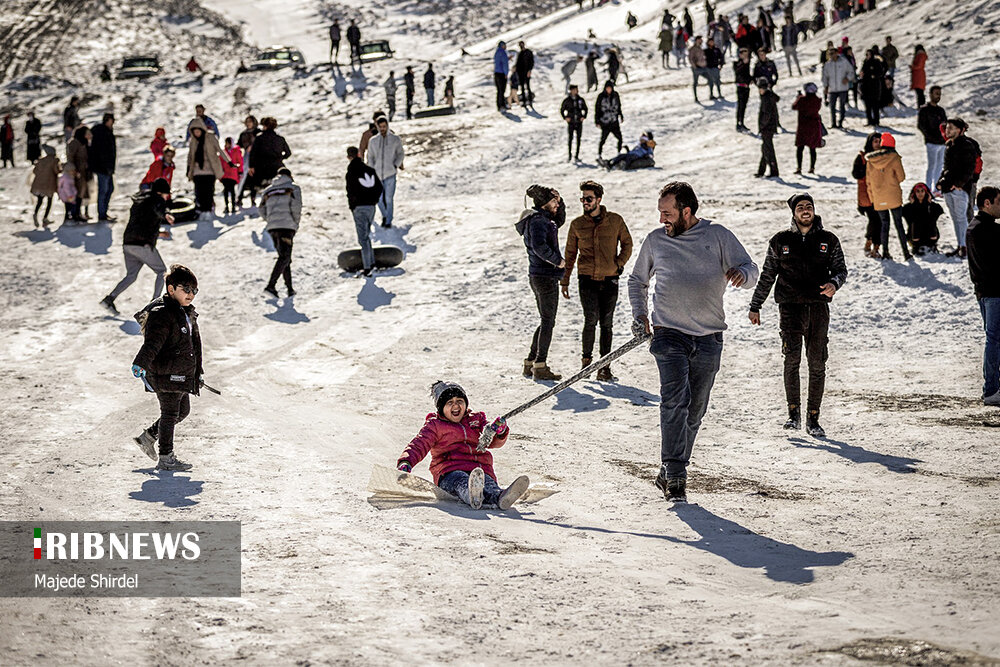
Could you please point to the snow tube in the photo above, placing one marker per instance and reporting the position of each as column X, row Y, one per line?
column 439, row 110
column 182, row 208
column 641, row 163
column 385, row 257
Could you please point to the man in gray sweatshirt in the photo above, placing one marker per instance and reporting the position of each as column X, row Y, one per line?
column 692, row 260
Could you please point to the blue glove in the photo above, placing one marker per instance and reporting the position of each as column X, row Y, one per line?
column 138, row 371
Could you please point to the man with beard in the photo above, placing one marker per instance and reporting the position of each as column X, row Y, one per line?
column 693, row 259
column 808, row 265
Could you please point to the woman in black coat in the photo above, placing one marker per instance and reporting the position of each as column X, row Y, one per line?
column 873, row 71
column 268, row 153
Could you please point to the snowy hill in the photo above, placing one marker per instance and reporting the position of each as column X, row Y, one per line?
column 799, row 551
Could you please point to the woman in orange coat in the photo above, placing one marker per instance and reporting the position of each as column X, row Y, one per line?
column 918, row 74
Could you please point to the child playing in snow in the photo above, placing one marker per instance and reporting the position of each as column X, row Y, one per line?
column 451, row 436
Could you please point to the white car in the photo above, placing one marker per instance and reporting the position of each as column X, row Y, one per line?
column 278, row 57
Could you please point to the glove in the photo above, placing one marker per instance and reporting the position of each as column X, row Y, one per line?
column 138, row 371
column 499, row 426
column 638, row 327
column 403, row 466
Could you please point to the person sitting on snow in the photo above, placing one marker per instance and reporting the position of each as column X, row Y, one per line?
column 639, row 157
column 451, row 435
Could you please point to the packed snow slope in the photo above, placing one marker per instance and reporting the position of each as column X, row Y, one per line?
column 796, row 550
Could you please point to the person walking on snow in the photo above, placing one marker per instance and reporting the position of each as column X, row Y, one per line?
column 608, row 115
column 158, row 143
column 429, row 84
column 838, row 76
column 204, row 166
column 385, row 156
column 199, row 114
column 957, row 180
column 354, row 39
column 931, row 119
column 767, row 125
column 170, row 363
column 390, row 94
column 806, row 267
column 268, row 154
column 574, row 112
column 873, row 230
column 71, row 117
column 148, row 213
column 983, row 240
column 696, row 58
column 501, row 69
column 281, row 208
column 411, row 89
column 33, row 138
column 692, row 260
column 918, row 74
column 604, row 245
column 364, row 191
column 809, row 133
column 744, row 80
column 102, row 158
column 162, row 167
column 666, row 44
column 451, row 436
column 567, row 70
column 45, row 182
column 523, row 65
column 789, row 43
column 7, row 142
column 884, row 176
column 713, row 69
column 232, row 171
column 335, row 41
column 591, row 65
column 765, row 68
column 539, row 227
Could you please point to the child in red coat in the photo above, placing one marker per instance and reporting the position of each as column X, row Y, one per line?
column 452, row 436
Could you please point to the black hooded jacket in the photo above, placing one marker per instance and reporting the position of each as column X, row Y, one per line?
column 959, row 163
column 800, row 264
column 540, row 231
column 983, row 242
column 171, row 351
column 363, row 185
column 148, row 212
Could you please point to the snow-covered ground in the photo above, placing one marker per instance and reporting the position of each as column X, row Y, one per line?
column 797, row 551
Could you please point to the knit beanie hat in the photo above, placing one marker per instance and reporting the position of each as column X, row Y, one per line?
column 443, row 392
column 794, row 200
column 540, row 195
column 160, row 185
column 888, row 141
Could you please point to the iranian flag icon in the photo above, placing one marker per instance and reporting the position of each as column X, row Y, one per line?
column 38, row 543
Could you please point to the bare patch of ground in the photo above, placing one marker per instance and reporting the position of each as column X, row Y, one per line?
column 916, row 652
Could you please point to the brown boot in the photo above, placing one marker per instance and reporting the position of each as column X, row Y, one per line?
column 586, row 361
column 541, row 371
column 604, row 375
column 868, row 247
column 527, row 367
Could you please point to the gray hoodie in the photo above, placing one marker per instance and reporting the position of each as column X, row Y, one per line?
column 281, row 204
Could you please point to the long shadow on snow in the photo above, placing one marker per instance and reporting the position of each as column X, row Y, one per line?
column 910, row 274
column 633, row 394
column 94, row 238
column 371, row 297
column 395, row 236
column 571, row 399
column 205, row 231
column 857, row 454
column 168, row 489
column 509, row 116
column 286, row 313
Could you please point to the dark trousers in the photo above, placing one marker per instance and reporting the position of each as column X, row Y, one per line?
column 500, row 81
column 897, row 217
column 409, row 104
column 174, row 407
column 577, row 129
column 873, row 230
column 527, row 97
column 742, row 98
column 809, row 322
column 835, row 100
column 229, row 193
column 546, row 291
column 48, row 200
column 872, row 111
column 204, row 192
column 920, row 97
column 767, row 157
column 799, row 151
column 282, row 239
column 606, row 129
column 598, row 298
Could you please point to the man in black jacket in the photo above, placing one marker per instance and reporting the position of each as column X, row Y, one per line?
column 574, row 111
column 429, row 84
column 957, row 178
column 149, row 211
column 101, row 158
column 983, row 238
column 523, row 65
column 767, row 124
column 410, row 89
column 808, row 265
column 744, row 79
column 930, row 118
column 169, row 362
column 354, row 39
column 363, row 192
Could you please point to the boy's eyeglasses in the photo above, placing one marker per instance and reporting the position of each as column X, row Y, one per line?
column 588, row 199
column 188, row 289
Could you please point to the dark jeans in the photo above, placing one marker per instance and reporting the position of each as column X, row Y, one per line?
column 547, row 301
column 598, row 298
column 920, row 97
column 873, row 230
column 282, row 239
column 768, row 159
column 688, row 365
column 48, row 205
column 409, row 104
column 174, row 407
column 742, row 98
column 838, row 99
column 456, row 483
column 799, row 151
column 990, row 309
column 577, row 129
column 809, row 322
column 610, row 128
column 526, row 94
column 204, row 192
column 897, row 217
column 229, row 193
column 500, row 81
column 105, row 186
column 872, row 111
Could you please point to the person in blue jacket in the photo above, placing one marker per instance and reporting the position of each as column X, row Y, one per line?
column 639, row 157
column 501, row 68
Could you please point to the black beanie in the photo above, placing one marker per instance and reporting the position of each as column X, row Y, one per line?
column 540, row 195
column 444, row 392
column 160, row 185
column 794, row 200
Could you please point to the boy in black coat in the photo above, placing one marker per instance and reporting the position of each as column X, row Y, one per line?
column 169, row 362
column 767, row 124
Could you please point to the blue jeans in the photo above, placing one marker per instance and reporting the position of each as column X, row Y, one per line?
column 990, row 308
column 385, row 201
column 105, row 186
column 897, row 218
column 687, row 366
column 837, row 99
column 957, row 202
column 456, row 483
column 364, row 216
column 935, row 164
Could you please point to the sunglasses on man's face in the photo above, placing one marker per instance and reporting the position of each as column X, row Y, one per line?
column 588, row 199
column 188, row 289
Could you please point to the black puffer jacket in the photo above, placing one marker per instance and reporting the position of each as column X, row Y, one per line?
column 540, row 231
column 959, row 163
column 171, row 352
column 148, row 212
column 268, row 155
column 801, row 264
column 573, row 109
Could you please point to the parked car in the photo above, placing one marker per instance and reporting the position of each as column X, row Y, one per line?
column 139, row 67
column 278, row 57
column 373, row 51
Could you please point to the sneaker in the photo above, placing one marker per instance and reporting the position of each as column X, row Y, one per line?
column 794, row 422
column 541, row 371
column 604, row 375
column 528, row 363
column 674, row 488
column 272, row 291
column 993, row 399
column 291, row 292
column 109, row 303
column 146, row 440
column 812, row 425
column 171, row 462
column 477, row 480
column 513, row 493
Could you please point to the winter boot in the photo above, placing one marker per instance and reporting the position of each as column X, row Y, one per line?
column 477, row 480
column 541, row 371
column 868, row 247
column 586, row 361
column 528, row 363
column 513, row 493
column 109, row 303
column 271, row 290
column 673, row 488
column 146, row 441
column 171, row 462
column 794, row 422
column 604, row 375
column 812, row 425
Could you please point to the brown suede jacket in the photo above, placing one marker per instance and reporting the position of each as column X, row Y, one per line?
column 597, row 240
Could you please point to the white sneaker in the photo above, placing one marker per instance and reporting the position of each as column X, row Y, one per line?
column 146, row 440
column 992, row 400
column 513, row 493
column 477, row 480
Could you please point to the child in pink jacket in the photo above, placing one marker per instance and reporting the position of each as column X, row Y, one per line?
column 232, row 171
column 451, row 436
